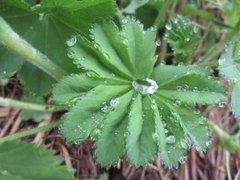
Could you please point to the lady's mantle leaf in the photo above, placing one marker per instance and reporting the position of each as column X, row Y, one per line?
column 20, row 160
column 229, row 66
column 47, row 26
column 157, row 118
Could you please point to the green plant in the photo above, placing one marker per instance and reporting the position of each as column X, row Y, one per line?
column 182, row 36
column 20, row 160
column 46, row 26
column 105, row 72
column 229, row 66
column 129, row 107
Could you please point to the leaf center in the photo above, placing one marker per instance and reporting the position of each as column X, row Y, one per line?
column 145, row 86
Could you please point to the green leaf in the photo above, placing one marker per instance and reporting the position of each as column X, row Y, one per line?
column 47, row 26
column 88, row 111
column 169, row 134
column 164, row 74
column 141, row 148
column 182, row 36
column 229, row 66
column 229, row 63
column 74, row 86
column 138, row 112
column 113, row 132
column 187, row 84
column 235, row 103
column 10, row 64
column 141, row 46
column 193, row 89
column 20, row 160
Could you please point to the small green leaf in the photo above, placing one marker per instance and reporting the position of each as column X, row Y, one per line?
column 20, row 160
column 182, row 36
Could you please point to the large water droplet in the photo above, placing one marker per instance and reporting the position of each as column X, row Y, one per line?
column 71, row 41
column 170, row 139
column 145, row 86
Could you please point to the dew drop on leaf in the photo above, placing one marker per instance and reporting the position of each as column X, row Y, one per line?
column 182, row 159
column 168, row 26
column 4, row 172
column 98, row 132
column 223, row 104
column 113, row 102
column 158, row 43
column 187, row 39
column 126, row 134
column 104, row 108
column 155, row 136
column 125, row 21
column 106, row 55
column 222, row 61
column 71, row 41
column 195, row 89
column 145, row 86
column 195, row 29
column 170, row 139
column 70, row 54
column 208, row 143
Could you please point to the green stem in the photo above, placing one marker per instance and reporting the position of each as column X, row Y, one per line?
column 226, row 141
column 164, row 47
column 228, row 165
column 29, row 132
column 28, row 106
column 161, row 17
column 11, row 39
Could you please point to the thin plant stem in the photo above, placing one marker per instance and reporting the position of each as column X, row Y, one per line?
column 10, row 39
column 29, row 132
column 228, row 165
column 28, row 106
column 164, row 47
